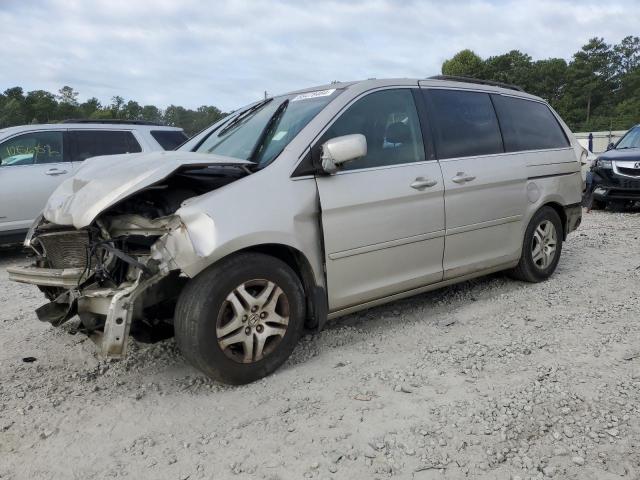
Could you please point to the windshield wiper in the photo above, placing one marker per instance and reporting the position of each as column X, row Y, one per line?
column 266, row 131
column 243, row 115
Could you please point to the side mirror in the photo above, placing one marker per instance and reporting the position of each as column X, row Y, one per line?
column 610, row 146
column 339, row 150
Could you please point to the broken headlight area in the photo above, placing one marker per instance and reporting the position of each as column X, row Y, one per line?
column 120, row 274
column 104, row 274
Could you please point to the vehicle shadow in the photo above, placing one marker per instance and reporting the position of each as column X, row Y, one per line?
column 430, row 307
column 10, row 254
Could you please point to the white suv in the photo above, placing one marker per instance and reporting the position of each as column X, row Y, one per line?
column 35, row 159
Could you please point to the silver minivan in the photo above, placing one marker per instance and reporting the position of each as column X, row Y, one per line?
column 305, row 207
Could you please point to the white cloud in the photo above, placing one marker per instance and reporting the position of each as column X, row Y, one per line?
column 226, row 53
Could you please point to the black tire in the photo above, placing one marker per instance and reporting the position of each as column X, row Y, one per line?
column 598, row 205
column 200, row 304
column 527, row 270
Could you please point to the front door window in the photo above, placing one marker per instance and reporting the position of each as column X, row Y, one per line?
column 32, row 148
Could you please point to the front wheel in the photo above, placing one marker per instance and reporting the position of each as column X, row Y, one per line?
column 541, row 247
column 240, row 319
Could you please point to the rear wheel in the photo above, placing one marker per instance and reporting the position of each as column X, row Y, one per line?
column 541, row 247
column 239, row 320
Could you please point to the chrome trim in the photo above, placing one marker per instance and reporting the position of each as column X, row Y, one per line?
column 388, row 244
column 382, row 167
column 633, row 163
column 481, row 225
column 519, row 152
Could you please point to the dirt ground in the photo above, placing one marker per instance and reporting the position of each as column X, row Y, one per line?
column 492, row 378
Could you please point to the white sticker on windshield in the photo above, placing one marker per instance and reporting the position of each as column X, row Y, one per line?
column 279, row 135
column 316, row 94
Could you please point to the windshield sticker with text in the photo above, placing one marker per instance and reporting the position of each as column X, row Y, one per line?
column 316, row 94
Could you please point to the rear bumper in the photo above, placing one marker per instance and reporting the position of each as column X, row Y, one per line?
column 573, row 214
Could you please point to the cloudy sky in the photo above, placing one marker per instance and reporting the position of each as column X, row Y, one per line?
column 227, row 53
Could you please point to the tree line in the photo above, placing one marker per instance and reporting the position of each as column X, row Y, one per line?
column 598, row 89
column 40, row 106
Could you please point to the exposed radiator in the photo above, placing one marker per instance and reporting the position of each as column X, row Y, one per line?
column 66, row 249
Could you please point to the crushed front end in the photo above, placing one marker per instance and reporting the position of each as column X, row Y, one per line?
column 114, row 247
column 105, row 274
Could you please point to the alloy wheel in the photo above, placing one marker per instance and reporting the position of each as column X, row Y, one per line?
column 252, row 320
column 544, row 244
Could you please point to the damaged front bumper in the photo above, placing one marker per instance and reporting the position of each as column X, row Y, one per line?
column 47, row 277
column 113, row 292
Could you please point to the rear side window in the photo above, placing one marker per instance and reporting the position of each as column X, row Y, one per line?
column 465, row 123
column 169, row 139
column 92, row 143
column 528, row 125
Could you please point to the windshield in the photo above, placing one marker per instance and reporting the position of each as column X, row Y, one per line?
column 259, row 133
column 630, row 140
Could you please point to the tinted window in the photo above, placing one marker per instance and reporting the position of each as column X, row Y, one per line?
column 169, row 139
column 528, row 125
column 32, row 148
column 631, row 139
column 389, row 121
column 91, row 143
column 465, row 123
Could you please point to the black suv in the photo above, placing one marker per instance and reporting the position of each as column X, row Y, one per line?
column 616, row 172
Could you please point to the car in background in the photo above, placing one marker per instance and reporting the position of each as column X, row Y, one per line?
column 616, row 173
column 35, row 159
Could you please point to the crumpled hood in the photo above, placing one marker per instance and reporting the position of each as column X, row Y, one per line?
column 103, row 181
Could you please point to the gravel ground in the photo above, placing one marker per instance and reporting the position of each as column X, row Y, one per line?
column 488, row 379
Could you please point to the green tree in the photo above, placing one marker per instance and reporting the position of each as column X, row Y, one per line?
column 67, row 103
column 151, row 113
column 12, row 113
column 13, row 107
column 40, row 106
column 513, row 68
column 177, row 116
column 464, row 63
column 627, row 55
column 116, row 106
column 68, row 95
column 89, row 108
column 548, row 79
column 131, row 111
column 590, row 81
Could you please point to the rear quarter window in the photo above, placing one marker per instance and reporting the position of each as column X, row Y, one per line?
column 528, row 125
column 169, row 139
column 92, row 143
column 465, row 123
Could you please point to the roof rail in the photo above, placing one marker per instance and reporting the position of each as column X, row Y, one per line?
column 455, row 78
column 112, row 121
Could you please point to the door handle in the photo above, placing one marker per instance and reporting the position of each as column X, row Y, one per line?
column 421, row 183
column 55, row 171
column 462, row 177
